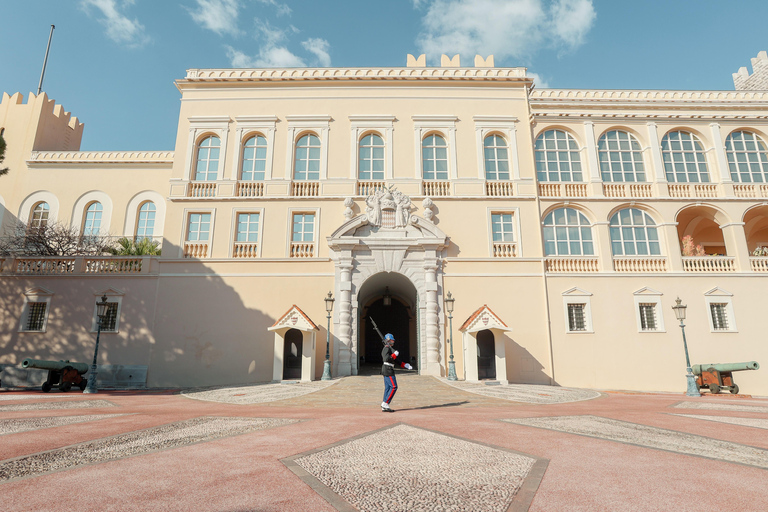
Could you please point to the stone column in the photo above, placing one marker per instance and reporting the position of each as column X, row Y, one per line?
column 603, row 249
column 432, row 327
column 672, row 241
column 735, row 240
column 343, row 363
column 657, row 163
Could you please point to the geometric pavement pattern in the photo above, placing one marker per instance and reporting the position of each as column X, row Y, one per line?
column 72, row 404
column 134, row 443
column 528, row 393
column 33, row 397
column 404, row 468
column 713, row 406
column 27, row 424
column 651, row 437
column 257, row 393
column 732, row 420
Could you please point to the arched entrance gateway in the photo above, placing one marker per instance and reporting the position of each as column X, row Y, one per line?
column 387, row 252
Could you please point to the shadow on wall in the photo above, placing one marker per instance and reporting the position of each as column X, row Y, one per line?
column 190, row 331
column 522, row 366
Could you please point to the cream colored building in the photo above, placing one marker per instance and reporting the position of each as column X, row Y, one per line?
column 555, row 218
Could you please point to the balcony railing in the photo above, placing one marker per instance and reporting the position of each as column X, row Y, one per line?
column 563, row 189
column 367, row 188
column 499, row 188
column 302, row 249
column 640, row 263
column 692, row 190
column 750, row 190
column 72, row 265
column 627, row 190
column 250, row 189
column 758, row 263
column 201, row 189
column 572, row 264
column 305, row 188
column 709, row 264
column 436, row 188
column 195, row 249
column 504, row 249
column 245, row 250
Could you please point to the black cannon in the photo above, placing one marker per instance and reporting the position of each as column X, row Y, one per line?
column 720, row 376
column 63, row 373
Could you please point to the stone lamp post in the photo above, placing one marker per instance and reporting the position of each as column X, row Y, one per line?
column 101, row 313
column 327, row 364
column 679, row 308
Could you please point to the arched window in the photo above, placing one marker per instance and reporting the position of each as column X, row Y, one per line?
column 496, row 160
column 633, row 233
column 145, row 225
column 92, row 221
column 567, row 232
column 371, row 158
column 307, row 162
column 207, row 168
column 557, row 157
column 39, row 217
column 747, row 157
column 434, row 158
column 620, row 157
column 684, row 160
column 254, row 159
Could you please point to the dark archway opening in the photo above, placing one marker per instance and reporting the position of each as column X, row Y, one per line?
column 394, row 319
column 486, row 355
column 292, row 354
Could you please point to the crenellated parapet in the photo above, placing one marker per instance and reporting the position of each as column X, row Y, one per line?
column 55, row 128
column 758, row 80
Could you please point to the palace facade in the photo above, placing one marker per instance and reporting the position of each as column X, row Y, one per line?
column 564, row 224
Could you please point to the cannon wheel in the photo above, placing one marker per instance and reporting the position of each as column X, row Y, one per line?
column 65, row 386
column 735, row 389
column 714, row 389
column 83, row 384
column 46, row 387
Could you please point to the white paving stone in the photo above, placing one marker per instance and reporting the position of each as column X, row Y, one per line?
column 26, row 424
column 650, row 437
column 715, row 406
column 746, row 422
column 527, row 393
column 34, row 397
column 257, row 393
column 406, row 468
column 45, row 406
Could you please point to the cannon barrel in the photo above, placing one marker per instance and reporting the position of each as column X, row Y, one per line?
column 727, row 367
column 57, row 366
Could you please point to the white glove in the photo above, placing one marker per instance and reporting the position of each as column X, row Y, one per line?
column 408, row 366
column 396, row 353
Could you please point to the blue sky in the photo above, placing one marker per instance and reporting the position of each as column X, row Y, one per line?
column 113, row 62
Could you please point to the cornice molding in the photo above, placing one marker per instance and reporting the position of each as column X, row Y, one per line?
column 561, row 96
column 101, row 157
column 293, row 74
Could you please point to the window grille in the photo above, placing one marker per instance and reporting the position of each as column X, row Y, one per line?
column 719, row 316
column 648, row 317
column 110, row 318
column 35, row 316
column 576, row 317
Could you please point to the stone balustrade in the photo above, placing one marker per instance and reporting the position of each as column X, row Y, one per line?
column 693, row 190
column 367, row 188
column 499, row 188
column 201, row 189
column 302, row 249
column 563, row 189
column 433, row 188
column 305, row 188
column 196, row 249
column 750, row 190
column 75, row 265
column 640, row 263
column 557, row 264
column 709, row 264
column 504, row 249
column 627, row 190
column 250, row 189
column 245, row 250
column 758, row 263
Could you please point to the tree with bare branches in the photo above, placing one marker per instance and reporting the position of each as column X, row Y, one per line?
column 52, row 239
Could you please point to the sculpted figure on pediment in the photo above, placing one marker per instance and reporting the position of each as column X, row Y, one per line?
column 388, row 208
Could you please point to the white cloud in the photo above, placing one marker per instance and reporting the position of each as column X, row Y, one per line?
column 320, row 48
column 504, row 28
column 119, row 28
column 538, row 81
column 282, row 9
column 219, row 16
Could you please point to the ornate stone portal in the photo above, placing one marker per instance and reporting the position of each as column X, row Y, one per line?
column 387, row 238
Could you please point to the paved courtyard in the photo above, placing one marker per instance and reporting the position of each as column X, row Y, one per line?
column 326, row 446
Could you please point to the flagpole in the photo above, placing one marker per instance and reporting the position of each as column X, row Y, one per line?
column 45, row 62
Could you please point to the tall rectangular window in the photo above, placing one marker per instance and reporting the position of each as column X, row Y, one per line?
column 247, row 227
column 303, row 227
column 109, row 324
column 648, row 316
column 501, row 227
column 35, row 316
column 719, row 313
column 199, row 227
column 576, row 317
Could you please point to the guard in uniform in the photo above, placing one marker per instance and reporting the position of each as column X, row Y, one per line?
column 389, row 356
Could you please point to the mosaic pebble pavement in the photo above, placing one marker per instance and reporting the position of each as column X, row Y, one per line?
column 526, row 393
column 45, row 406
column 257, row 393
column 25, row 425
column 714, row 406
column 430, row 471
